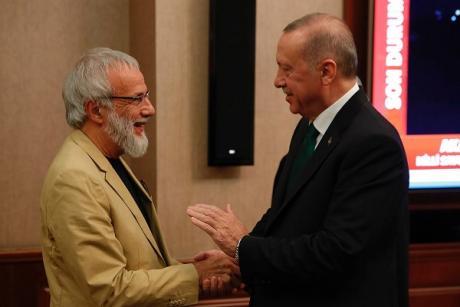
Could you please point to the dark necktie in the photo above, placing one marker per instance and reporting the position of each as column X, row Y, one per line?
column 306, row 150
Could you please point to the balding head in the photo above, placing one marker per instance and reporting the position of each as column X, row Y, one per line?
column 327, row 36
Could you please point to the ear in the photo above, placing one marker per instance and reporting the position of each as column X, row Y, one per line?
column 328, row 68
column 93, row 112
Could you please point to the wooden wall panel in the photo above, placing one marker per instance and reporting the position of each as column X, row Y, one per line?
column 356, row 15
column 41, row 41
column 435, row 297
column 183, row 176
column 142, row 47
column 22, row 278
column 434, row 276
column 435, row 265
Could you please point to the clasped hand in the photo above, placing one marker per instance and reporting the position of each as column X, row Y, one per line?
column 219, row 274
column 226, row 230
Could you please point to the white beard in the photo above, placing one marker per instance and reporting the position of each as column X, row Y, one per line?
column 121, row 131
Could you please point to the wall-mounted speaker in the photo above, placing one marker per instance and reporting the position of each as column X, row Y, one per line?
column 231, row 82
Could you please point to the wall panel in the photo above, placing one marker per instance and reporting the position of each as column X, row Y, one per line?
column 41, row 40
column 183, row 176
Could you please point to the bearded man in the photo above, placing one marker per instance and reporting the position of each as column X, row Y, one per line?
column 102, row 245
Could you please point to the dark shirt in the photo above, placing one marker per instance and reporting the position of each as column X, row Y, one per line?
column 138, row 195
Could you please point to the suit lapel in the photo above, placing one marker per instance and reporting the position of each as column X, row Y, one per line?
column 155, row 224
column 324, row 148
column 328, row 143
column 280, row 188
column 112, row 178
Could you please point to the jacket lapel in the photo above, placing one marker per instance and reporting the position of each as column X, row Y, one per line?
column 112, row 178
column 328, row 143
column 281, row 186
column 324, row 148
column 155, row 224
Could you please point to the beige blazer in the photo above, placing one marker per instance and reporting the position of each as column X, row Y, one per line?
column 98, row 249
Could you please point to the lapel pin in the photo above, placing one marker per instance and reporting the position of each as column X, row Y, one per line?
column 329, row 141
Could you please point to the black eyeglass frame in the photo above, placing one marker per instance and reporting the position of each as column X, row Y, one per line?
column 134, row 99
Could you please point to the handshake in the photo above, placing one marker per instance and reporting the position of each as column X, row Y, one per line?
column 218, row 273
column 218, row 270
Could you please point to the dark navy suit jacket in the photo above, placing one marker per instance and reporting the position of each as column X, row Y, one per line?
column 340, row 237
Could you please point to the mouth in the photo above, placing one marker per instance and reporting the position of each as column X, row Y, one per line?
column 139, row 126
column 287, row 93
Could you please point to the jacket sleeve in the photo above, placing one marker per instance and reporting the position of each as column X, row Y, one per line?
column 84, row 236
column 367, row 202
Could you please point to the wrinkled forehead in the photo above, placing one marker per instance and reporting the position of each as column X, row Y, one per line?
column 126, row 79
column 291, row 45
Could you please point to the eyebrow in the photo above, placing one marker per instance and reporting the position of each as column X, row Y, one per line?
column 142, row 92
column 139, row 93
column 285, row 66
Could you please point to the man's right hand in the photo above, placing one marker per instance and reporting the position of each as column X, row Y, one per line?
column 219, row 274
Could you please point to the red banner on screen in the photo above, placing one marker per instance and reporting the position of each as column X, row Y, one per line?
column 434, row 160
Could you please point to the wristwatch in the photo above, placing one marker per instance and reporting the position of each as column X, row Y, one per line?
column 237, row 250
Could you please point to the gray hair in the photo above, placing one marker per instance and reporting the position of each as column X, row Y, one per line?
column 329, row 37
column 88, row 81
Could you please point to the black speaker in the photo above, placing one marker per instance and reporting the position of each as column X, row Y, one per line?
column 231, row 82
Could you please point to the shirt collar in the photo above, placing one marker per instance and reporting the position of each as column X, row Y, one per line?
column 324, row 120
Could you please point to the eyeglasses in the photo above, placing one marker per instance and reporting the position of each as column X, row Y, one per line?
column 133, row 99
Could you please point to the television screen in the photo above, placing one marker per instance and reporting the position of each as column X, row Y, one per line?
column 416, row 84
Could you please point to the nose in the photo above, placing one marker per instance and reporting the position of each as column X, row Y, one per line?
column 147, row 109
column 279, row 79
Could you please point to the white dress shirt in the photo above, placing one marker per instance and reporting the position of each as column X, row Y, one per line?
column 324, row 120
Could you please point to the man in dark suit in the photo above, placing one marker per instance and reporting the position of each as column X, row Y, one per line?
column 337, row 230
